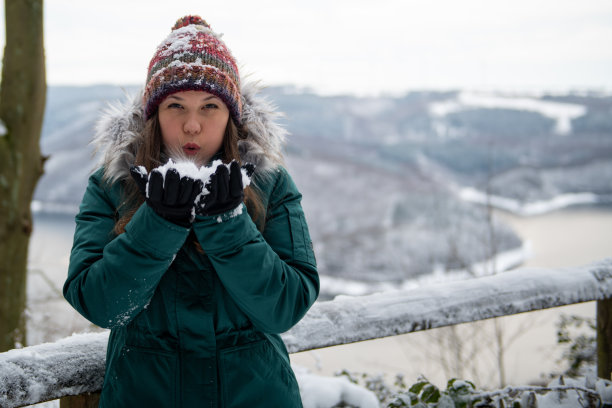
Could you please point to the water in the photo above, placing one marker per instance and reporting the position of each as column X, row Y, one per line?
column 561, row 239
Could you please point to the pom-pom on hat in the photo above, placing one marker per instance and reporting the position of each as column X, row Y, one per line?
column 193, row 58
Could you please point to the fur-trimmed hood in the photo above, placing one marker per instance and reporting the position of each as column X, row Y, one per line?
column 119, row 129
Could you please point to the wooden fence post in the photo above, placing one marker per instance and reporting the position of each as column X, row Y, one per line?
column 604, row 338
column 89, row 400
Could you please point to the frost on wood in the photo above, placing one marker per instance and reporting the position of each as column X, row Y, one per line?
column 351, row 319
column 71, row 366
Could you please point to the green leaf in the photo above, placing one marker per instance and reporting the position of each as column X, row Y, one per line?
column 456, row 386
column 431, row 393
column 417, row 387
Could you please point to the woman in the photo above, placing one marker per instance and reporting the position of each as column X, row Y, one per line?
column 194, row 290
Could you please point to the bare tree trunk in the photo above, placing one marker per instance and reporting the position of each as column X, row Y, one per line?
column 22, row 104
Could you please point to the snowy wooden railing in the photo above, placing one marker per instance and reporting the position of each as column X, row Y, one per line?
column 75, row 365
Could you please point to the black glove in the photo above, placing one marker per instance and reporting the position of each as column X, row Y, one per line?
column 172, row 199
column 226, row 190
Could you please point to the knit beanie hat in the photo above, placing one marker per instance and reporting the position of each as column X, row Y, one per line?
column 193, row 57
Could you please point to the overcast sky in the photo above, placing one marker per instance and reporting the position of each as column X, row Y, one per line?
column 348, row 46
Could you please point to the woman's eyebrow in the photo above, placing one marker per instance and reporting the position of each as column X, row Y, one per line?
column 206, row 98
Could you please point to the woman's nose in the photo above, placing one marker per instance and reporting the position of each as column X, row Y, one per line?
column 192, row 125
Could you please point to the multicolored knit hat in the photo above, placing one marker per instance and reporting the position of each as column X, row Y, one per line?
column 193, row 57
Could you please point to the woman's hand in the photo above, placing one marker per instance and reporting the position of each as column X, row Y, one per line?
column 225, row 189
column 171, row 195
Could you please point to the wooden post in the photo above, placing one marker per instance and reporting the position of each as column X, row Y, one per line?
column 604, row 338
column 81, row 401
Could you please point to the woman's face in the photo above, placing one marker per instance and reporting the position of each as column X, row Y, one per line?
column 193, row 125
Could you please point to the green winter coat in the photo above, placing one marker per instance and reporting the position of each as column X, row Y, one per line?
column 193, row 329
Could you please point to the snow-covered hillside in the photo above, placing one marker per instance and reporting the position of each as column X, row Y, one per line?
column 374, row 220
column 527, row 148
column 485, row 141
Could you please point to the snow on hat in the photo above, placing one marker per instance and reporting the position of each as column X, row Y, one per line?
column 193, row 58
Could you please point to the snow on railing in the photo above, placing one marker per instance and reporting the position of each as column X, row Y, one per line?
column 350, row 319
column 75, row 365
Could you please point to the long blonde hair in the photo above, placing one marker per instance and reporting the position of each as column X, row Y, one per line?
column 150, row 154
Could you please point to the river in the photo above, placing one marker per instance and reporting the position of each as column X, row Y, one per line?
column 563, row 238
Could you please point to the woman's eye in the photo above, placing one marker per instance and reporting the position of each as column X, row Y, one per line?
column 211, row 106
column 173, row 105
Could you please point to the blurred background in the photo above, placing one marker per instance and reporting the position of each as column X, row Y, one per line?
column 432, row 141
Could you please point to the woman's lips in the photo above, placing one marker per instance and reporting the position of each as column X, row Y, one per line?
column 191, row 149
